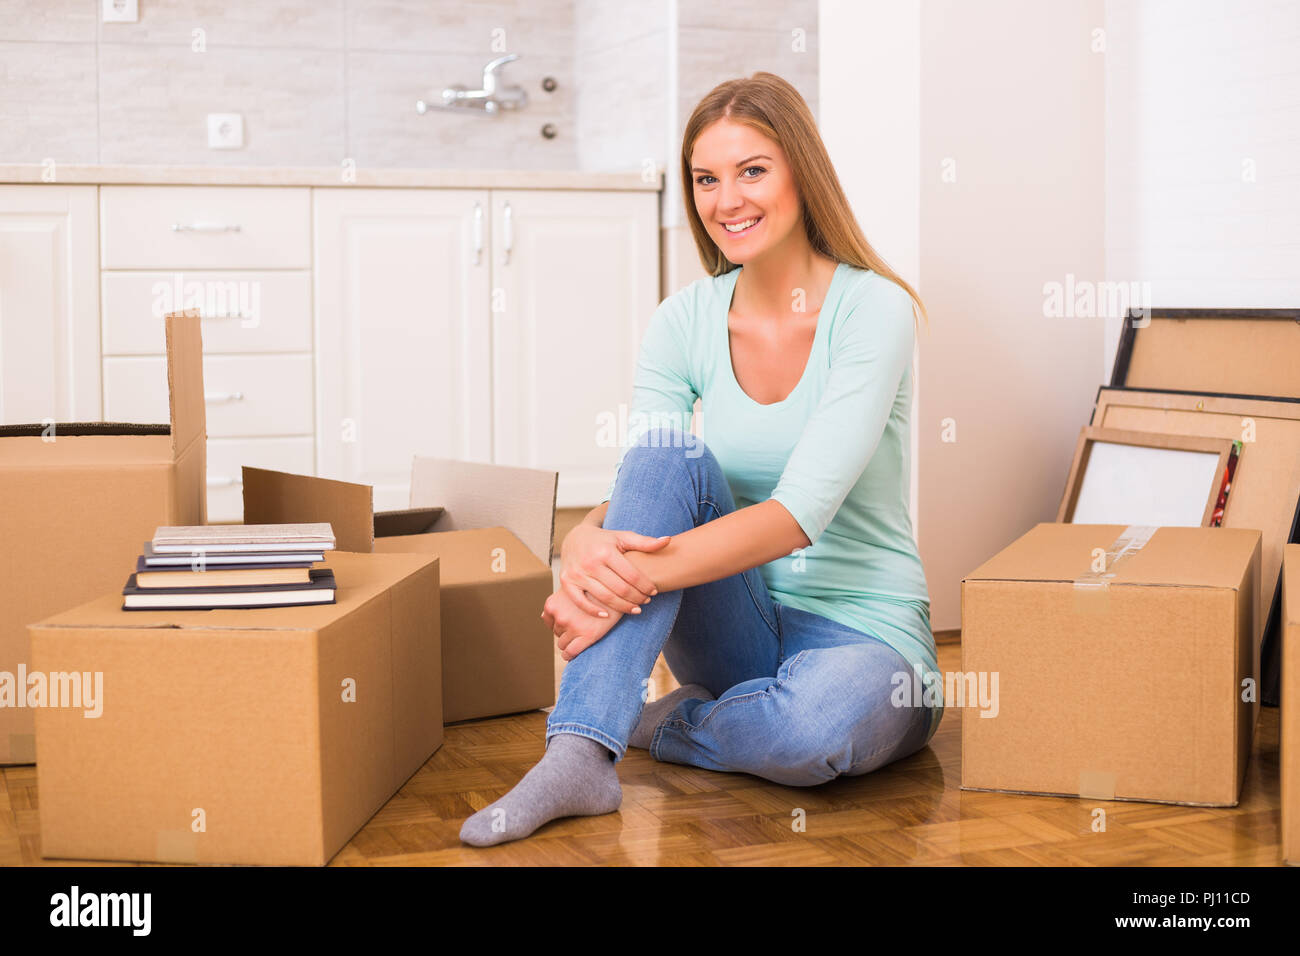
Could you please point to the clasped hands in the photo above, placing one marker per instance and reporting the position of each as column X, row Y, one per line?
column 598, row 585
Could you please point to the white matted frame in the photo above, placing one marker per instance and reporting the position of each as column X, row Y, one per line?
column 1122, row 476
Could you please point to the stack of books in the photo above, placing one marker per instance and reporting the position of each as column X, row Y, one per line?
column 199, row 568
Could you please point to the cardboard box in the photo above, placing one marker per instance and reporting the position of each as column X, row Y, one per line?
column 1122, row 667
column 1290, row 736
column 492, row 527
column 256, row 736
column 79, row 500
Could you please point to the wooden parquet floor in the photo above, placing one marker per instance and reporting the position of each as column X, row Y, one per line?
column 911, row 812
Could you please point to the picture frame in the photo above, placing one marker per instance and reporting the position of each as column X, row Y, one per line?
column 1126, row 476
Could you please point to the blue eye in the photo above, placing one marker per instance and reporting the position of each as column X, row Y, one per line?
column 703, row 176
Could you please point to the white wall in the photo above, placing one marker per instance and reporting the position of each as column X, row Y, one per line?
column 1203, row 151
column 878, row 43
column 1008, row 95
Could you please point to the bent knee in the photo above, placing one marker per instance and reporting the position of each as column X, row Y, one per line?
column 669, row 443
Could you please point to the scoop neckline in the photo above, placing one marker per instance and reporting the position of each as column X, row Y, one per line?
column 812, row 353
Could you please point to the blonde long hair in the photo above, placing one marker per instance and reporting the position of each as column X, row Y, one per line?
column 772, row 106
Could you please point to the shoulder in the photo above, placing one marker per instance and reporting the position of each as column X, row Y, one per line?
column 876, row 304
column 870, row 288
column 688, row 309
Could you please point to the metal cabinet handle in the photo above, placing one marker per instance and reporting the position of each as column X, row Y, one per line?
column 223, row 396
column 478, row 233
column 510, row 231
column 205, row 227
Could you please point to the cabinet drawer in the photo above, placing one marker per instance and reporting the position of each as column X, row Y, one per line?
column 247, row 395
column 226, row 456
column 205, row 227
column 244, row 311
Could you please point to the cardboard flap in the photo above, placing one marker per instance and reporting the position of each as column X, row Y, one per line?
column 1174, row 556
column 475, row 557
column 185, row 379
column 277, row 497
column 479, row 495
column 406, row 522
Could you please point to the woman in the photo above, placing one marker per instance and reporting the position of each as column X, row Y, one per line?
column 792, row 611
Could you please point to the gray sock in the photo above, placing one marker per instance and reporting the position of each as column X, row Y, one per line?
column 575, row 777
column 655, row 711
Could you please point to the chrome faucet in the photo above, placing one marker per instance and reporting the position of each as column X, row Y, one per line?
column 489, row 99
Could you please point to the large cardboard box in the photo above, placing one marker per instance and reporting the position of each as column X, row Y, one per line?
column 1290, row 736
column 258, row 736
column 492, row 527
column 78, row 500
column 1125, row 663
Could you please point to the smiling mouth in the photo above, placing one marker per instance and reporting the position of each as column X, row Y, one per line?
column 752, row 225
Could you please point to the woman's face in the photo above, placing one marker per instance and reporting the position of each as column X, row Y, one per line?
column 739, row 175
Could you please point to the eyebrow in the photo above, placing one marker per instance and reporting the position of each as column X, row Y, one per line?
column 701, row 169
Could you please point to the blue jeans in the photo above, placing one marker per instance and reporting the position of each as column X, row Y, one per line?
column 800, row 699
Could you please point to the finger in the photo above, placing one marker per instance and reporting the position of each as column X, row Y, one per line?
column 578, row 645
column 632, row 541
column 599, row 591
column 582, row 600
column 619, row 585
column 630, row 573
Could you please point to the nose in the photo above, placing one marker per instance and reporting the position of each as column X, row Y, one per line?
column 729, row 197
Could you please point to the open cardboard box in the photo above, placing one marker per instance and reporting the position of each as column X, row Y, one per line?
column 1127, row 667
column 247, row 736
column 78, row 501
column 492, row 527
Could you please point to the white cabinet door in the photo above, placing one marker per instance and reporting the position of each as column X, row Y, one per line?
column 49, row 304
column 575, row 280
column 402, row 332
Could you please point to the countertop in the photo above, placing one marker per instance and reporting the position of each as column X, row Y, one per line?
column 326, row 176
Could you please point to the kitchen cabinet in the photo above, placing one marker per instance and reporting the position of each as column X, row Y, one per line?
column 345, row 328
column 242, row 255
column 483, row 325
column 49, row 304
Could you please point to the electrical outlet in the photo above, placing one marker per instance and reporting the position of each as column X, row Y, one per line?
column 225, row 131
column 120, row 11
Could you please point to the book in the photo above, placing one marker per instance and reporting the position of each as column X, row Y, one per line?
column 321, row 590
column 182, row 577
column 152, row 560
column 240, row 538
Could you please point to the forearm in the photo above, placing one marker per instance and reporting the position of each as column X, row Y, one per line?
column 596, row 515
column 727, row 545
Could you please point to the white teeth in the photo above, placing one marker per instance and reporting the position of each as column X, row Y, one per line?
column 739, row 227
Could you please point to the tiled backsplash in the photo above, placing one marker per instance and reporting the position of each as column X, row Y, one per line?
column 319, row 82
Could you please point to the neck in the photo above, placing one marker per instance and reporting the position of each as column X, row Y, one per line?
column 768, row 282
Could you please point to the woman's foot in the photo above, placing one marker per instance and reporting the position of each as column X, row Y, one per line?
column 575, row 777
column 655, row 711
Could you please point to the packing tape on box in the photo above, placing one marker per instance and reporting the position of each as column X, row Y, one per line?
column 176, row 846
column 1092, row 590
column 1097, row 784
column 22, row 748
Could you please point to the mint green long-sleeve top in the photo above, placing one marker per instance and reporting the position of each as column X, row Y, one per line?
column 836, row 452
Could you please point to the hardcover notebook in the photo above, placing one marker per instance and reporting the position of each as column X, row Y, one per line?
column 238, row 538
column 321, row 590
column 151, row 560
column 152, row 579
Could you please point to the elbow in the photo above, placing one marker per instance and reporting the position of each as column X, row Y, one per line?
column 794, row 536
